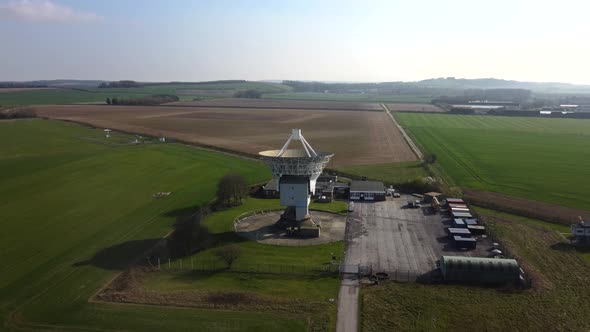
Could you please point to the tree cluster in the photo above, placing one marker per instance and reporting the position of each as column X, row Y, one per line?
column 430, row 158
column 252, row 94
column 143, row 101
column 17, row 113
column 231, row 190
column 120, row 84
column 14, row 85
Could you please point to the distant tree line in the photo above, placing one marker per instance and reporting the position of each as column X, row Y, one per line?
column 143, row 101
column 383, row 88
column 196, row 83
column 252, row 94
column 507, row 95
column 17, row 113
column 13, row 85
column 120, row 84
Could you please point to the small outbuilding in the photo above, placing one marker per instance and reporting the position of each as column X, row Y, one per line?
column 461, row 214
column 465, row 242
column 456, row 231
column 367, row 191
column 455, row 201
column 478, row 269
column 477, row 229
column 271, row 189
column 459, row 223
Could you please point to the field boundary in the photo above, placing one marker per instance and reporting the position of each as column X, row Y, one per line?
column 525, row 207
column 272, row 107
column 407, row 138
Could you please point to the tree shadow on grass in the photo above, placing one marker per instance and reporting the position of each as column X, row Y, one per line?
column 119, row 256
column 564, row 246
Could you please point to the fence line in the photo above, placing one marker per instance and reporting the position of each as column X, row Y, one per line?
column 245, row 215
column 189, row 264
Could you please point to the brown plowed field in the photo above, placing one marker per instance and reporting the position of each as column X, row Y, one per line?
column 288, row 104
column 526, row 207
column 356, row 138
column 420, row 108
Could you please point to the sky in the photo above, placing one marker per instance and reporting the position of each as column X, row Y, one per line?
column 323, row 40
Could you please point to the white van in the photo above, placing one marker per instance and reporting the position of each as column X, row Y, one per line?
column 350, row 206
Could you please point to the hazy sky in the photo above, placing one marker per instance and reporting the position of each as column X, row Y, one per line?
column 308, row 40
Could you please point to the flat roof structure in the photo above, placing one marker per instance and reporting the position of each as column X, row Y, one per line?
column 455, row 201
column 458, row 238
column 461, row 214
column 470, row 221
column 459, row 223
column 457, row 206
column 459, row 231
column 367, row 186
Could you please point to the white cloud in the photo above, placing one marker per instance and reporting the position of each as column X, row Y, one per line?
column 43, row 11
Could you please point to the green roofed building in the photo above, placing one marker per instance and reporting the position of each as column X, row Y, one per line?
column 478, row 269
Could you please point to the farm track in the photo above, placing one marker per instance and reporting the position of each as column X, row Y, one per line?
column 407, row 138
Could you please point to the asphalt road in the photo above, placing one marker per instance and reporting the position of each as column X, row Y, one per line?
column 389, row 237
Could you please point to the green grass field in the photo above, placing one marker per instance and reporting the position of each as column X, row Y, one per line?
column 60, row 96
column 358, row 97
column 75, row 212
column 290, row 279
column 537, row 158
column 559, row 300
column 98, row 95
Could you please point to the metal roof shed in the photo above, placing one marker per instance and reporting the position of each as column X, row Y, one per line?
column 478, row 269
column 455, row 201
column 458, row 231
column 459, row 223
column 462, row 215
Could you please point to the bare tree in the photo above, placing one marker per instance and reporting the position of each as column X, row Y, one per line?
column 229, row 254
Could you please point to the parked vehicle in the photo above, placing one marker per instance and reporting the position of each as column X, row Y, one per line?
column 350, row 207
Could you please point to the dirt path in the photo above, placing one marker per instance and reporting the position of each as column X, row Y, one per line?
column 347, row 318
column 348, row 303
column 413, row 146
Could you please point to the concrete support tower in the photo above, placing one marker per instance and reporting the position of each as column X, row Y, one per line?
column 297, row 171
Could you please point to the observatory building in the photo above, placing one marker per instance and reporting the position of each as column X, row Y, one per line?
column 297, row 171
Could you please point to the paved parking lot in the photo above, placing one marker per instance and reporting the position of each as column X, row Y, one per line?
column 388, row 236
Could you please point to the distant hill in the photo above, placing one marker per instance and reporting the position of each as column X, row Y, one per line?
column 493, row 83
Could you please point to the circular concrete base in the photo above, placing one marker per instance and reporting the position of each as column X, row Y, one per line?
column 262, row 228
